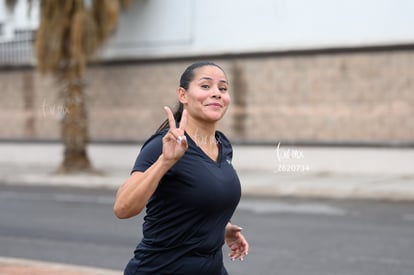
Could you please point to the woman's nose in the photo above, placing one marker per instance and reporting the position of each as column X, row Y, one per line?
column 216, row 93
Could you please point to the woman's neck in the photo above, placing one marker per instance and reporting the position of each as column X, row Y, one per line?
column 203, row 134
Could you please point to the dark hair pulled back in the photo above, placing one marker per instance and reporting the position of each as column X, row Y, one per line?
column 186, row 78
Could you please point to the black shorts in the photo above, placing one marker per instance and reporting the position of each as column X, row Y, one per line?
column 194, row 263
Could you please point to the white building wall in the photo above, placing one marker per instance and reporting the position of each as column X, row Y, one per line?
column 175, row 28
column 22, row 16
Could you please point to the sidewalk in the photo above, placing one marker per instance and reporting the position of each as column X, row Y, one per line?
column 338, row 173
column 268, row 171
column 12, row 266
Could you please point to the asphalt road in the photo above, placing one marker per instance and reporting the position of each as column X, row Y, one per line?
column 77, row 226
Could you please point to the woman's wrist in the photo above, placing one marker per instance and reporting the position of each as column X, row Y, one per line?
column 166, row 164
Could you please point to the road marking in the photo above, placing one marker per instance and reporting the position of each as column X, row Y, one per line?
column 408, row 217
column 59, row 197
column 84, row 198
column 266, row 206
column 378, row 260
column 256, row 206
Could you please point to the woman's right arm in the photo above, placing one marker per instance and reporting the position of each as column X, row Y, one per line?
column 138, row 188
column 134, row 193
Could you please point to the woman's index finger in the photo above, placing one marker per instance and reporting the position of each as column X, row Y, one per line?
column 171, row 120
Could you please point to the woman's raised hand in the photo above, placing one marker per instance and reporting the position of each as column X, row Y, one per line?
column 174, row 143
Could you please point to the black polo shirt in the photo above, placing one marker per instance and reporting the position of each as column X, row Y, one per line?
column 186, row 216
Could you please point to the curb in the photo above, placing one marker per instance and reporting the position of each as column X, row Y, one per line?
column 15, row 266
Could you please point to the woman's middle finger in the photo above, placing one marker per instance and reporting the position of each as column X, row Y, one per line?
column 171, row 120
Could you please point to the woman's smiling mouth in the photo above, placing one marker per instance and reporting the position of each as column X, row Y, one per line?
column 217, row 105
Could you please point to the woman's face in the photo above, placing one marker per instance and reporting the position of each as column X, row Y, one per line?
column 207, row 97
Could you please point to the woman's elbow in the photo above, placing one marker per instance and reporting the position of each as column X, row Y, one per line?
column 123, row 211
column 120, row 213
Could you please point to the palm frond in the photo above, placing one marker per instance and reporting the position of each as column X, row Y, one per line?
column 69, row 33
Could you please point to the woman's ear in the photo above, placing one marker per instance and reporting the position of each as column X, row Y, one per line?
column 182, row 95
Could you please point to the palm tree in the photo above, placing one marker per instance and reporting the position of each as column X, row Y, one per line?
column 69, row 33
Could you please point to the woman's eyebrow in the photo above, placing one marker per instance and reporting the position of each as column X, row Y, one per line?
column 210, row 79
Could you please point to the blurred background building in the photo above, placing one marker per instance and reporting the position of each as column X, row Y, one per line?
column 303, row 72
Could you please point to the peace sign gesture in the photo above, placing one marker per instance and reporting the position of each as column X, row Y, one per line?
column 174, row 143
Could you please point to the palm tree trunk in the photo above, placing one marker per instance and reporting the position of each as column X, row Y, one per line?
column 74, row 125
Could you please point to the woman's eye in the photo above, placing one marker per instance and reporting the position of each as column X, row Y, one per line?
column 205, row 86
column 223, row 89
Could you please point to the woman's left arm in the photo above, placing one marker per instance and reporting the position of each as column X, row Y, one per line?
column 236, row 242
